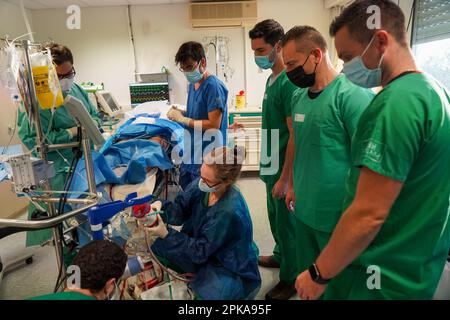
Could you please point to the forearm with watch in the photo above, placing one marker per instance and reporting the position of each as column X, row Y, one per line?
column 352, row 236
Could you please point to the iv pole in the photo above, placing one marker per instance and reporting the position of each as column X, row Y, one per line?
column 43, row 148
column 214, row 44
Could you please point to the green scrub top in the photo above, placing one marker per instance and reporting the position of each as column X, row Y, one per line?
column 323, row 129
column 69, row 295
column 276, row 109
column 405, row 135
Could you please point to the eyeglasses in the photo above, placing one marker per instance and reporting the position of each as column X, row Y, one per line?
column 69, row 75
column 189, row 68
column 209, row 184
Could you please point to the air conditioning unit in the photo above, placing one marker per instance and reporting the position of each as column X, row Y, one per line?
column 223, row 14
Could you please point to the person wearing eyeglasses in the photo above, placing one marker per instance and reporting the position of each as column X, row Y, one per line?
column 207, row 111
column 58, row 127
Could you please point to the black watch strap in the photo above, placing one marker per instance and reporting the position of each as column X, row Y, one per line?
column 315, row 275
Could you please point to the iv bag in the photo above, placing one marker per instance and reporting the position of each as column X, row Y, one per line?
column 9, row 71
column 46, row 83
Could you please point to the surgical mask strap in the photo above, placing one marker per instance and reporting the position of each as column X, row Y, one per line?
column 368, row 46
column 381, row 60
column 212, row 187
column 199, row 64
column 271, row 53
column 303, row 66
column 116, row 287
column 367, row 49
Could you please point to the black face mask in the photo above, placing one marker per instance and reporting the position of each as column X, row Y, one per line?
column 298, row 76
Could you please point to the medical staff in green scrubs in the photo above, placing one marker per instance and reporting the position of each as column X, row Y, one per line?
column 393, row 238
column 276, row 154
column 325, row 116
column 101, row 264
column 59, row 128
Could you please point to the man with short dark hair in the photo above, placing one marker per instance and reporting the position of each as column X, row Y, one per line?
column 276, row 115
column 101, row 264
column 207, row 110
column 325, row 116
column 393, row 238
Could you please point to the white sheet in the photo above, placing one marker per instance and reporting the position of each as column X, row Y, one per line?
column 120, row 192
column 154, row 107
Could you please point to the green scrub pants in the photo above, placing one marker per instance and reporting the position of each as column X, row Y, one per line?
column 309, row 244
column 356, row 282
column 351, row 284
column 282, row 224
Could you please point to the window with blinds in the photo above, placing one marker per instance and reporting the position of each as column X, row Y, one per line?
column 431, row 21
column 431, row 38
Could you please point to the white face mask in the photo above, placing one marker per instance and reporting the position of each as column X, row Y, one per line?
column 203, row 186
column 66, row 84
column 359, row 74
column 194, row 76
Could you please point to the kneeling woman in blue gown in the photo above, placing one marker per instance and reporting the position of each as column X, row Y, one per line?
column 216, row 240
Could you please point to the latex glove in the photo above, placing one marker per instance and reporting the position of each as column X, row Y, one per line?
column 73, row 132
column 160, row 230
column 156, row 206
column 177, row 115
column 183, row 112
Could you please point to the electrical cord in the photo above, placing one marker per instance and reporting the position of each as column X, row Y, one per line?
column 62, row 203
column 61, row 211
column 59, row 281
column 183, row 279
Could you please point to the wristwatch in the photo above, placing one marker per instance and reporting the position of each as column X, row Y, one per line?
column 315, row 275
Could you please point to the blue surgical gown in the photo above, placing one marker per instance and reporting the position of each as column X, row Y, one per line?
column 210, row 96
column 215, row 243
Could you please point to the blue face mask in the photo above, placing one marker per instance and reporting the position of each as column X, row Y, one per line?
column 193, row 76
column 203, row 186
column 359, row 74
column 264, row 61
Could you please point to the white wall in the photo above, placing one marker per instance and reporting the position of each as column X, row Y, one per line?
column 11, row 25
column 161, row 29
column 288, row 13
column 102, row 48
column 103, row 51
